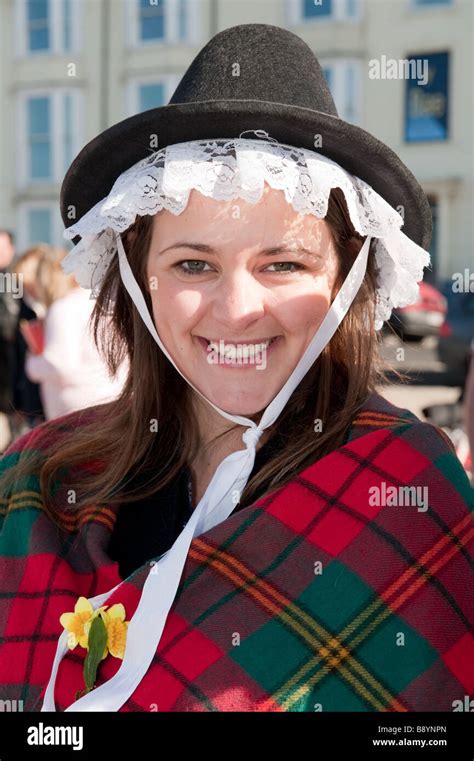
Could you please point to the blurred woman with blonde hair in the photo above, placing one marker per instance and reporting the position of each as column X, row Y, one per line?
column 27, row 406
column 70, row 371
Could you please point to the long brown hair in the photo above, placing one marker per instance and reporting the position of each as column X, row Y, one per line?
column 151, row 428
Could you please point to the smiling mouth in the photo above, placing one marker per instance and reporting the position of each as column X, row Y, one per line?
column 259, row 343
column 238, row 353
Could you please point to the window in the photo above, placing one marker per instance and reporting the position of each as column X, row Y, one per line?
column 158, row 21
column 39, row 138
column 68, row 129
column 145, row 93
column 431, row 2
column 39, row 225
column 67, row 20
column 151, row 20
column 315, row 8
column 344, row 80
column 427, row 105
column 151, row 96
column 49, row 134
column 302, row 11
column 327, row 76
column 47, row 26
column 40, row 222
column 38, row 25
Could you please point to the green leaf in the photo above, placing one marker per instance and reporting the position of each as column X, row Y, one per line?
column 97, row 642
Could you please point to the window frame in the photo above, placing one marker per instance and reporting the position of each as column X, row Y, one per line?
column 440, row 141
column 131, row 100
column 417, row 8
column 22, row 230
column 338, row 67
column 56, row 19
column 296, row 17
column 58, row 166
column 193, row 25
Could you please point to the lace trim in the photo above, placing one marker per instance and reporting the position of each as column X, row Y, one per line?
column 226, row 169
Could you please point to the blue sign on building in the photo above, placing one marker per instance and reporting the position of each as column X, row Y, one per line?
column 426, row 105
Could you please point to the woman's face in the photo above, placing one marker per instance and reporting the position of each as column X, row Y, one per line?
column 225, row 279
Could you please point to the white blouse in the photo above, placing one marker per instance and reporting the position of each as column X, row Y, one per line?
column 70, row 371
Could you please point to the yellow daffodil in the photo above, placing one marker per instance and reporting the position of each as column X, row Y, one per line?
column 114, row 620
column 116, row 627
column 109, row 633
column 75, row 622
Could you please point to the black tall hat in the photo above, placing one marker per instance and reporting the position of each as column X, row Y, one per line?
column 248, row 77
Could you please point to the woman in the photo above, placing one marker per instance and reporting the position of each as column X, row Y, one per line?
column 26, row 394
column 70, row 371
column 469, row 410
column 325, row 565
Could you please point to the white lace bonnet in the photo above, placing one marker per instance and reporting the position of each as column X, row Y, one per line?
column 231, row 168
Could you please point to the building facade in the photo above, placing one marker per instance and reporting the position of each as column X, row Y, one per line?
column 402, row 69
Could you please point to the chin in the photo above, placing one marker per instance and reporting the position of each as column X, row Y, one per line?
column 243, row 403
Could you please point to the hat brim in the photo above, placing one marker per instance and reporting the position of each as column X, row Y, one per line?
column 95, row 169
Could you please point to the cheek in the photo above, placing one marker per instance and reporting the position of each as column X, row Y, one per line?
column 306, row 307
column 175, row 308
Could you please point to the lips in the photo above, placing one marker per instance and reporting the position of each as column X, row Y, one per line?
column 238, row 354
column 240, row 342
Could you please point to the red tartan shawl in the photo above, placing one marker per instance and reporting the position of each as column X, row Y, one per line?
column 325, row 595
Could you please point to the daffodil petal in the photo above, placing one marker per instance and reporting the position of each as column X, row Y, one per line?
column 117, row 611
column 71, row 641
column 83, row 606
column 116, row 637
column 83, row 641
column 66, row 620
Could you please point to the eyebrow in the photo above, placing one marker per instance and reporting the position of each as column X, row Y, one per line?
column 203, row 248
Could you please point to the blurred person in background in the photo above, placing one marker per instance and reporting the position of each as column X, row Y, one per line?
column 28, row 407
column 8, row 320
column 70, row 371
column 469, row 409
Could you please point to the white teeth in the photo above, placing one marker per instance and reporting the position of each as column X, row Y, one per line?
column 243, row 347
column 244, row 350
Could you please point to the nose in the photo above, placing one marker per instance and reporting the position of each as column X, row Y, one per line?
column 239, row 299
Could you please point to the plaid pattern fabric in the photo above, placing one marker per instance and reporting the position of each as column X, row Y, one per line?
column 309, row 599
